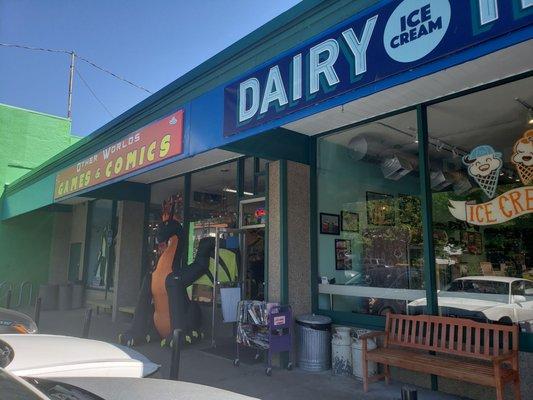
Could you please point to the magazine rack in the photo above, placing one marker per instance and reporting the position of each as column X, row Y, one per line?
column 265, row 327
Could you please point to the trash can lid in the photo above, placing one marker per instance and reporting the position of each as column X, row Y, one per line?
column 313, row 320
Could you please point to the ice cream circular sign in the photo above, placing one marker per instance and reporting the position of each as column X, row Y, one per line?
column 415, row 28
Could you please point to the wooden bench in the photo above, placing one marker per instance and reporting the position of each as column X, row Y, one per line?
column 462, row 349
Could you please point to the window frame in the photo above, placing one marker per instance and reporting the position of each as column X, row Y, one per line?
column 374, row 321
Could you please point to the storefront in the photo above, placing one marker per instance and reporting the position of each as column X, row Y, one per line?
column 381, row 156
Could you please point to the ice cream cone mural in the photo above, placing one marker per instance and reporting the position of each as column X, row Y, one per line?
column 484, row 165
column 523, row 157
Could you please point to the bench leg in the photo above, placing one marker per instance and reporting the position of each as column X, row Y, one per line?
column 499, row 390
column 516, row 388
column 365, row 373
column 386, row 369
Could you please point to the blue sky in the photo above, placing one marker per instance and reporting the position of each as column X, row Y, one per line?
column 150, row 42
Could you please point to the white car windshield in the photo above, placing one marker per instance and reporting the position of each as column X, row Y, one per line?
column 479, row 286
column 479, row 290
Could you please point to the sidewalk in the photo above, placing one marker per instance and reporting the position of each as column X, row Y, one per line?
column 198, row 366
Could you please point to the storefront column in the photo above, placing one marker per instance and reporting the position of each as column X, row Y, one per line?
column 59, row 252
column 129, row 254
column 289, row 265
column 427, row 219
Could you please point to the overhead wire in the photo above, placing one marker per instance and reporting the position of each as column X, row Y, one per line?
column 81, row 58
column 93, row 93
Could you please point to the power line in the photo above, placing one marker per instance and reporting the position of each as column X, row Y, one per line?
column 93, row 93
column 91, row 63
column 112, row 74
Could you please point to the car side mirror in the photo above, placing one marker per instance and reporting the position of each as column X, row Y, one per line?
column 517, row 299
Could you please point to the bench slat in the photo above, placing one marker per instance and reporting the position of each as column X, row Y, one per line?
column 451, row 341
column 464, row 370
column 477, row 334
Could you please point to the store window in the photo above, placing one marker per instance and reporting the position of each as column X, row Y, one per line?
column 370, row 256
column 159, row 193
column 481, row 154
column 254, row 177
column 100, row 259
column 213, row 202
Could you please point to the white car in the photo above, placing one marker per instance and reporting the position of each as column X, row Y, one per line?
column 50, row 356
column 15, row 388
column 486, row 298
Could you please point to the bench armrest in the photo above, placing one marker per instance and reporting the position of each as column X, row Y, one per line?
column 373, row 335
column 509, row 358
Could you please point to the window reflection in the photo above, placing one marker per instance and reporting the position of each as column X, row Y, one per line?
column 370, row 242
column 481, row 154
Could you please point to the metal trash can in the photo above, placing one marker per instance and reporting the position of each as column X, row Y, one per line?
column 65, row 297
column 314, row 342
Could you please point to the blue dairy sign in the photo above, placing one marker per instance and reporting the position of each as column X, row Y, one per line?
column 383, row 41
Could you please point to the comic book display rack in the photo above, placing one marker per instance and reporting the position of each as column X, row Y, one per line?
column 265, row 327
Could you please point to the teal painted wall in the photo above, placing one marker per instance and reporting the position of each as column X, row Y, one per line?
column 342, row 185
column 27, row 139
column 25, row 244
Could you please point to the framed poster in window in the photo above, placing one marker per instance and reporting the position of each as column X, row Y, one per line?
column 330, row 224
column 349, row 221
column 380, row 209
column 343, row 250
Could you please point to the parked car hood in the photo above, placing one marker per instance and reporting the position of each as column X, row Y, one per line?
column 142, row 389
column 48, row 356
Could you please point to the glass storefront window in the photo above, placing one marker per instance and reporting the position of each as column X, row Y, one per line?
column 159, row 193
column 481, row 155
column 370, row 256
column 254, row 177
column 213, row 202
column 100, row 254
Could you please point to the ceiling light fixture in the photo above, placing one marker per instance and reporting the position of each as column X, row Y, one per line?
column 228, row 190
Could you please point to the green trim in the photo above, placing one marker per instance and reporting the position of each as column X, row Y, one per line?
column 112, row 264
column 186, row 215
column 146, row 219
column 366, row 321
column 240, row 181
column 430, row 277
column 283, row 234
column 526, row 342
column 313, row 222
column 267, row 230
column 87, row 241
column 257, row 166
column 275, row 144
column 124, row 190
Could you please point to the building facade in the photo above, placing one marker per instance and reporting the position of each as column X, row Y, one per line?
column 378, row 153
column 27, row 139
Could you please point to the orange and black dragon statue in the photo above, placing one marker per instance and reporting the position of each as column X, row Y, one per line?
column 163, row 304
